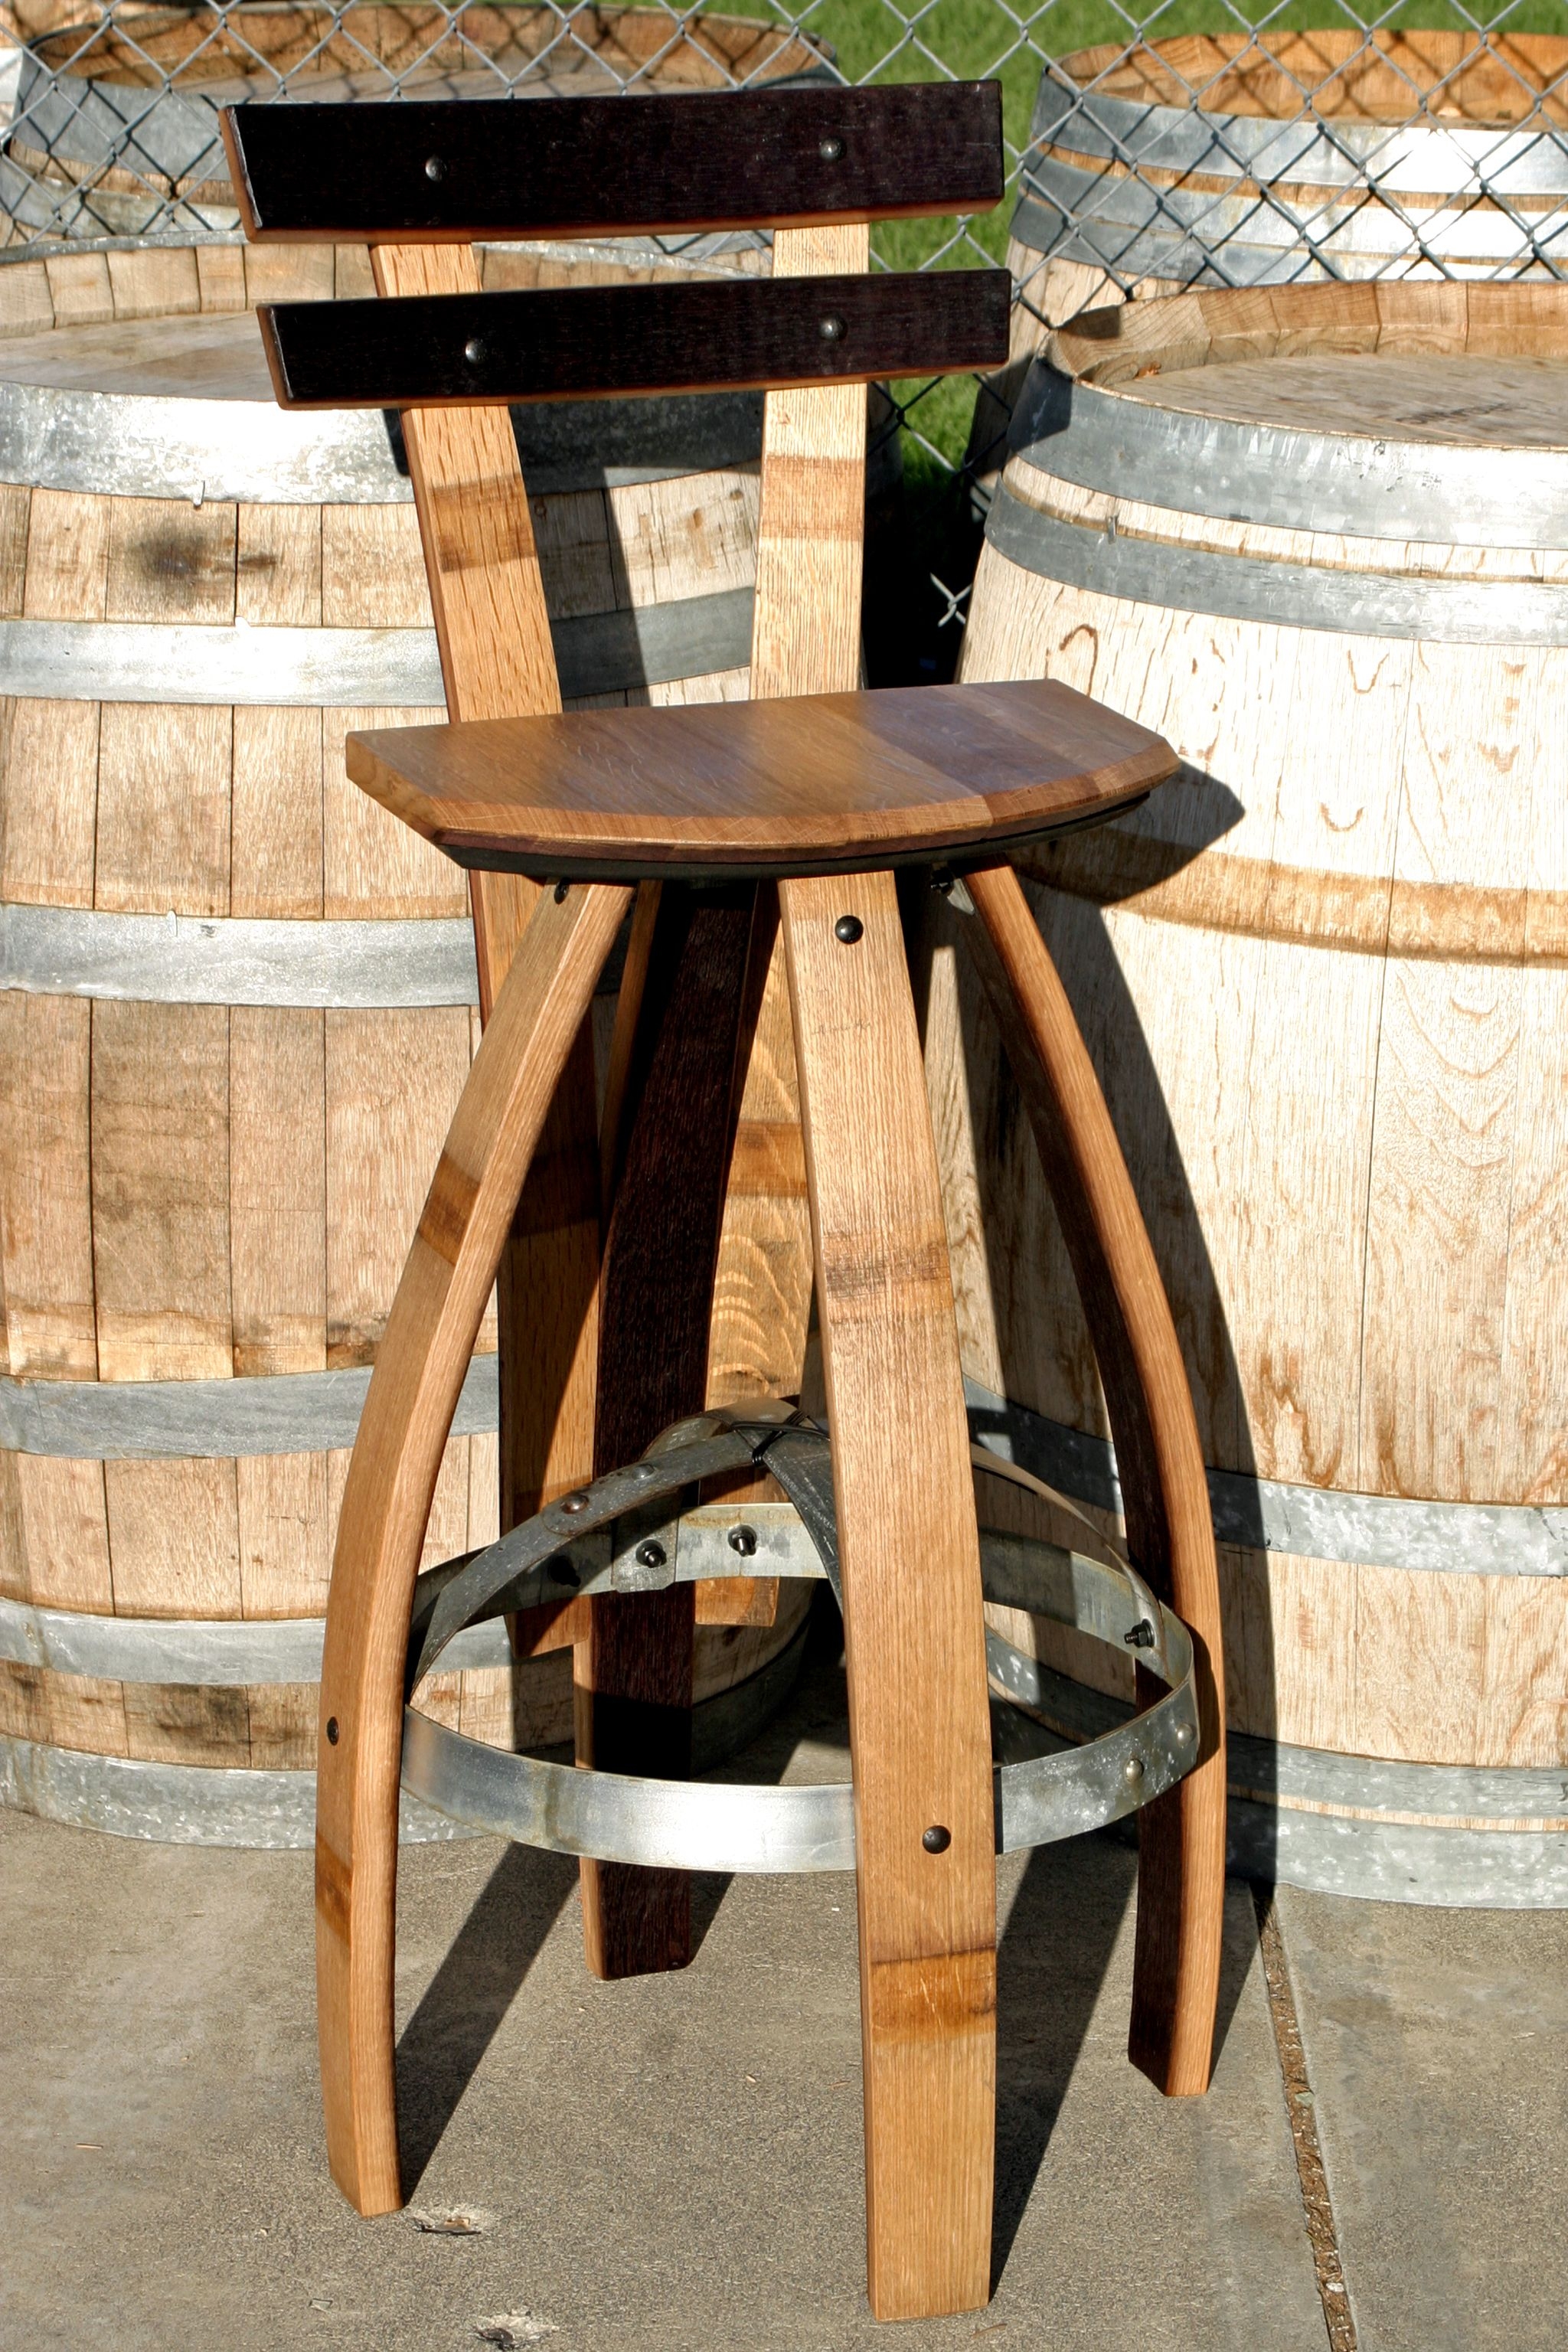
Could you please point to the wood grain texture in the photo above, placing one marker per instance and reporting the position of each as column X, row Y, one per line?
column 391, row 1485
column 704, row 160
column 920, row 1730
column 1160, row 1461
column 1362, row 873
column 731, row 332
column 493, row 629
column 677, row 1113
column 817, row 779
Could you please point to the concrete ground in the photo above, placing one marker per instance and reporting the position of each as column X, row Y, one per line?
column 675, row 2162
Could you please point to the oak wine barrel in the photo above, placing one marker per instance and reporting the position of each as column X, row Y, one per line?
column 115, row 117
column 239, row 1001
column 1279, row 159
column 1318, row 538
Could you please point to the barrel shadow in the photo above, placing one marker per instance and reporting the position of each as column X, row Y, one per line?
column 462, row 2006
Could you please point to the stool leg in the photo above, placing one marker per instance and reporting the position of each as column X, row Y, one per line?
column 914, row 1633
column 386, row 1503
column 1181, row 1867
column 667, row 1169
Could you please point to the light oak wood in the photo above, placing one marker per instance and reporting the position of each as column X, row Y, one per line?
column 392, row 1480
column 919, row 1721
column 1159, row 1460
column 1366, row 874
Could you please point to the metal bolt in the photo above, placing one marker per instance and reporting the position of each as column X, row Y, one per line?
column 562, row 889
column 936, row 1839
column 848, row 929
column 651, row 1554
column 831, row 150
column 830, row 329
column 473, row 350
column 1140, row 1636
column 332, row 1731
column 1183, row 1735
column 1133, row 1770
column 744, row 1541
column 643, row 1471
column 573, row 1504
column 435, row 168
column 562, row 1570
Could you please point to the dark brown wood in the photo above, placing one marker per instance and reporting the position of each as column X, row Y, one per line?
column 431, row 172
column 476, row 350
column 810, row 784
column 633, row 1712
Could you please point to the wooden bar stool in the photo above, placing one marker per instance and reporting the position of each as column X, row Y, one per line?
column 758, row 842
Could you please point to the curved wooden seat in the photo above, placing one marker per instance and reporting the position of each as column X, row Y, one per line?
column 807, row 784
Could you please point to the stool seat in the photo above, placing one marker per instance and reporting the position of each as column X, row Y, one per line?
column 807, row 784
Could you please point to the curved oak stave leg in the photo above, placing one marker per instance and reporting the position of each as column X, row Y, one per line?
column 1164, row 1488
column 386, row 1504
column 915, row 1642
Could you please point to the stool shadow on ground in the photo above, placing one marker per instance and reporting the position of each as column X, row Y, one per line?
column 1051, row 1964
column 466, row 2000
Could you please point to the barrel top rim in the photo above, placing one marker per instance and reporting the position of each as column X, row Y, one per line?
column 1113, row 353
column 1116, row 73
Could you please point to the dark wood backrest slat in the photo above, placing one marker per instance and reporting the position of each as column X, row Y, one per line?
column 739, row 332
column 438, row 172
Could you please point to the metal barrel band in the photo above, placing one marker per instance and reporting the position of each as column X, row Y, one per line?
column 614, row 1535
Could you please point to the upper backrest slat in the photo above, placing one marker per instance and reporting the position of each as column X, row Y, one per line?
column 436, row 172
column 599, row 339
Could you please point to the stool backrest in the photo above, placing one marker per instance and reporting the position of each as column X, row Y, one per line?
column 421, row 182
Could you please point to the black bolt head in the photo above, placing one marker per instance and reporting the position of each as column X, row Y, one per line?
column 831, row 150
column 848, row 929
column 573, row 1504
column 652, row 1555
column 473, row 350
column 936, row 1839
column 1140, row 1636
column 435, row 168
column 744, row 1541
column 830, row 329
column 332, row 1731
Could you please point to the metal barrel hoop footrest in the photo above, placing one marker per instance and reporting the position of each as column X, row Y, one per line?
column 619, row 1536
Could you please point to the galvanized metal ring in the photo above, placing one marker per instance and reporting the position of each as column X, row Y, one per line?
column 1385, row 486
column 1285, row 595
column 617, row 1536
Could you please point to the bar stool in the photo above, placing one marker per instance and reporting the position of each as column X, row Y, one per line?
column 755, row 845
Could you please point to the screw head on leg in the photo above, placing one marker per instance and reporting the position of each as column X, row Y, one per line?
column 936, row 1839
column 848, row 929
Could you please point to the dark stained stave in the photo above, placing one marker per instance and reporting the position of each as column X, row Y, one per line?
column 433, row 170
column 633, row 339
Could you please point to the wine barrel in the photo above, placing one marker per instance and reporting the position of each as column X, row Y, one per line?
column 117, row 119
column 240, row 1000
column 1279, row 159
column 1318, row 538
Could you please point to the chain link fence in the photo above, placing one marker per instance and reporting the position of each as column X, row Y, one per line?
column 1150, row 146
